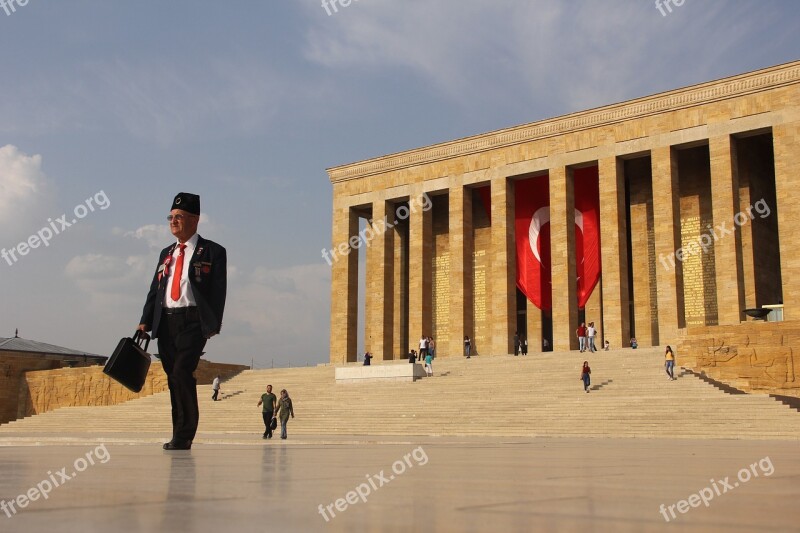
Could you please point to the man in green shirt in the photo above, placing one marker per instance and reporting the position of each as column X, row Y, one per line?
column 268, row 400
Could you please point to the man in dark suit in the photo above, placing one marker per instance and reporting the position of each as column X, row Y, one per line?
column 183, row 310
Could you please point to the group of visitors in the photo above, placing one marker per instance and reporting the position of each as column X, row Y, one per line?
column 586, row 337
column 412, row 358
column 427, row 346
column 520, row 344
column 275, row 409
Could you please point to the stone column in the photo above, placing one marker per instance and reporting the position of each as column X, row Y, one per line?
column 666, row 220
column 562, row 262
column 533, row 317
column 786, row 139
column 420, row 271
column 402, row 343
column 462, row 244
column 748, row 267
column 728, row 249
column 379, row 314
column 614, row 253
column 503, row 295
column 344, row 286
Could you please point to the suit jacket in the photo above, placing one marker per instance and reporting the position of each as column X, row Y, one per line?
column 208, row 279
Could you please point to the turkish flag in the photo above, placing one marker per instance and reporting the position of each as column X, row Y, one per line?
column 587, row 236
column 532, row 224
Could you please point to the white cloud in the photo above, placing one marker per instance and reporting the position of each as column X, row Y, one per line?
column 25, row 193
column 101, row 274
column 158, row 236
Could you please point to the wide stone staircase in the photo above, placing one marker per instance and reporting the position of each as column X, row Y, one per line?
column 534, row 395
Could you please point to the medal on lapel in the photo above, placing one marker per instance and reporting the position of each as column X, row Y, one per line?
column 163, row 270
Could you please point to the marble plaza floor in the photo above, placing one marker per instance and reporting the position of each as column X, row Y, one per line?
column 127, row 483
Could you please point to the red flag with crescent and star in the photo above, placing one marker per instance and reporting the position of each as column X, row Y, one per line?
column 532, row 224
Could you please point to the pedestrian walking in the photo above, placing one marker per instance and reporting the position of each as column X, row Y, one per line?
column 429, row 365
column 467, row 346
column 669, row 363
column 268, row 400
column 215, row 388
column 284, row 410
column 183, row 310
column 516, row 344
column 585, row 373
column 524, row 346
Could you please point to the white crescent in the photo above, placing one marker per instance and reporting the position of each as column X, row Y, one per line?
column 539, row 219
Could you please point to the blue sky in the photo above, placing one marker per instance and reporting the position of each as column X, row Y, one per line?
column 247, row 103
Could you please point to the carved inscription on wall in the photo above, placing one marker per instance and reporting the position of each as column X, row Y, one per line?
column 700, row 303
column 480, row 264
column 441, row 297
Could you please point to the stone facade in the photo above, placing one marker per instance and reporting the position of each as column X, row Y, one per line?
column 673, row 167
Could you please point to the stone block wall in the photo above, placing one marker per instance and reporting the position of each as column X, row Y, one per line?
column 753, row 356
column 45, row 390
column 12, row 372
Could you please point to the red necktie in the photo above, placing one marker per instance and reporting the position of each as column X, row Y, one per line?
column 176, row 278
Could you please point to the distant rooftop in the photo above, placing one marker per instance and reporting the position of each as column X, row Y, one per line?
column 18, row 344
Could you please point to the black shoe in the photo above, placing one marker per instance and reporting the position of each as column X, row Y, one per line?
column 178, row 445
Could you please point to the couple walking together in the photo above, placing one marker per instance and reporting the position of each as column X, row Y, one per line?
column 275, row 408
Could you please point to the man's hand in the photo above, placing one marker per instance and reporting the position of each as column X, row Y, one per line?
column 143, row 328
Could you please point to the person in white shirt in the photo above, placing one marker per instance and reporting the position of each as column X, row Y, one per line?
column 591, row 332
column 215, row 387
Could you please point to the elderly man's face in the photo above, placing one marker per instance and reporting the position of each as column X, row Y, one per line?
column 182, row 224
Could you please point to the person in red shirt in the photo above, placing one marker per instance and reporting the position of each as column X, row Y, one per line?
column 585, row 373
column 581, row 333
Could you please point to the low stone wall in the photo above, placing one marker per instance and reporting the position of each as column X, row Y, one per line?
column 753, row 356
column 45, row 390
column 385, row 372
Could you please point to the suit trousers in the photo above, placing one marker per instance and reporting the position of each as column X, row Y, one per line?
column 180, row 345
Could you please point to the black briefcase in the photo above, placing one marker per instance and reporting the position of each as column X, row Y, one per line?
column 130, row 362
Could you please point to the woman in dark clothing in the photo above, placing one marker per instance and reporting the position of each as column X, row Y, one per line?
column 585, row 372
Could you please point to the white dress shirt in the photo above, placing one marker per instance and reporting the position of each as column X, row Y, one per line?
column 187, row 298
